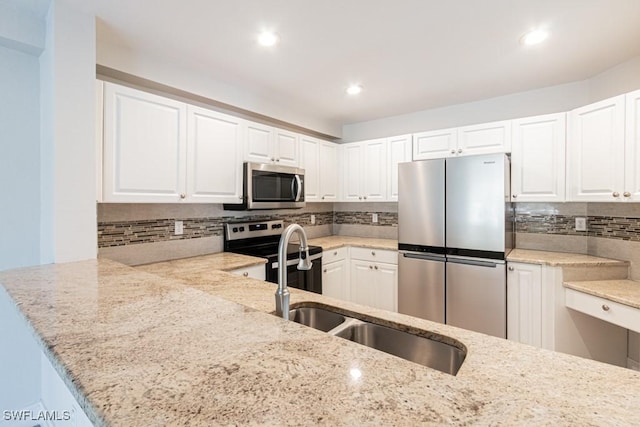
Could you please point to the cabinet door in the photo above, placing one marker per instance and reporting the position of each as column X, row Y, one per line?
column 595, row 151
column 144, row 146
column 309, row 161
column 214, row 152
column 632, row 148
column 537, row 159
column 435, row 144
column 486, row 138
column 259, row 143
column 335, row 280
column 399, row 151
column 363, row 283
column 285, row 148
column 524, row 303
column 386, row 286
column 374, row 178
column 352, row 171
column 328, row 171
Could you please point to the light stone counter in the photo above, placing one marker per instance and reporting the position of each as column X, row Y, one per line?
column 625, row 292
column 224, row 261
column 140, row 349
column 334, row 242
column 561, row 259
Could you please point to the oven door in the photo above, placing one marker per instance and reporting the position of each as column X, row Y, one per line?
column 307, row 280
column 273, row 186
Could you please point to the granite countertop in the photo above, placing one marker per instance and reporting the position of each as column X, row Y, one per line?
column 334, row 242
column 561, row 259
column 625, row 292
column 224, row 261
column 142, row 349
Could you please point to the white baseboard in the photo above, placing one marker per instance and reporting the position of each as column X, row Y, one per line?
column 33, row 409
column 632, row 364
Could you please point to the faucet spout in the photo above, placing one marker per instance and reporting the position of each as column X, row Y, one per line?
column 282, row 294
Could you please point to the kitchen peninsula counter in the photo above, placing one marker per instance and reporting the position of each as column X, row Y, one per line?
column 145, row 349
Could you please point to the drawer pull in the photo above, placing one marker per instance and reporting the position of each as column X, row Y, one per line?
column 373, row 253
column 510, row 268
column 335, row 253
column 605, row 307
column 245, row 274
column 324, row 271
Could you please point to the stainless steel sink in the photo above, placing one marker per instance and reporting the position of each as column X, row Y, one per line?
column 316, row 318
column 414, row 348
column 422, row 350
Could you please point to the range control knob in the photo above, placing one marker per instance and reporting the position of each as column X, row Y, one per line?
column 235, row 229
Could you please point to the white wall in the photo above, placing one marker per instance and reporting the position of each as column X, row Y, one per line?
column 197, row 81
column 622, row 78
column 20, row 159
column 68, row 171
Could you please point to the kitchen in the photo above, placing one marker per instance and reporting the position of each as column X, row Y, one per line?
column 72, row 233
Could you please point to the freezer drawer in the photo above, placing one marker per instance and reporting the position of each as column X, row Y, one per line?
column 421, row 286
column 477, row 296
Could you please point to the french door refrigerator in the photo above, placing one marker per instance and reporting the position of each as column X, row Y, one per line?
column 454, row 232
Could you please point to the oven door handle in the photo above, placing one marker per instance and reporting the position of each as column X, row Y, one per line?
column 290, row 262
column 298, row 187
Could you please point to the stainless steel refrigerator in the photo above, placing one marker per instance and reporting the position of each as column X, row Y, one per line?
column 454, row 231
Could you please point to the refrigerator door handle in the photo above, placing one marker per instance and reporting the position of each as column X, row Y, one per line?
column 415, row 255
column 477, row 263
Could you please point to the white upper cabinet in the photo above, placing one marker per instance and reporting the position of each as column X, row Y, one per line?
column 596, row 151
column 538, row 159
column 145, row 144
column 266, row 144
column 214, row 155
column 310, row 162
column 399, row 151
column 365, row 170
column 485, row 138
column 329, row 171
column 632, row 148
column 435, row 144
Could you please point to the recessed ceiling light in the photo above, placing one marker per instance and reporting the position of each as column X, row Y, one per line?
column 534, row 37
column 268, row 38
column 354, row 89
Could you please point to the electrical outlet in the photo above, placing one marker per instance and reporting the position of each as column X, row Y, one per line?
column 374, row 218
column 179, row 228
column 313, row 219
column 581, row 224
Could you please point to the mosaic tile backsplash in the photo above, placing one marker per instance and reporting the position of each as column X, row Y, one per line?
column 610, row 227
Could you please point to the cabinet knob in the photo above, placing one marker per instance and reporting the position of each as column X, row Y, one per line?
column 324, row 271
column 240, row 197
column 360, row 198
column 371, row 267
column 459, row 150
column 626, row 194
column 605, row 307
column 376, row 267
column 245, row 274
column 616, row 194
column 182, row 196
column 373, row 253
column 365, row 197
column 453, row 151
column 322, row 197
column 510, row 268
column 515, row 196
column 335, row 252
column 273, row 159
column 277, row 160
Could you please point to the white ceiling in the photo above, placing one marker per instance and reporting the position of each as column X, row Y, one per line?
column 409, row 55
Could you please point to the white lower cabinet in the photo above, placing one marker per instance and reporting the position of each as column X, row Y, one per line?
column 524, row 303
column 254, row 271
column 335, row 280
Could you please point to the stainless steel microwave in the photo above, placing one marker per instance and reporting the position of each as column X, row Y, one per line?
column 268, row 186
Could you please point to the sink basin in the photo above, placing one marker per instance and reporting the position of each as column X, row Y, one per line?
column 414, row 348
column 316, row 318
column 425, row 351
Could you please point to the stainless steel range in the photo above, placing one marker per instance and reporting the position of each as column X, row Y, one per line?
column 261, row 239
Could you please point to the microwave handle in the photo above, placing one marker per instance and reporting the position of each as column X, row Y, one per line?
column 299, row 188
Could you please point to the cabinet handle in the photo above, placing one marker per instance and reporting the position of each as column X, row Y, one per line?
column 240, row 197
column 335, row 252
column 360, row 198
column 324, row 271
column 510, row 268
column 182, row 196
column 365, row 197
column 322, row 197
column 371, row 267
column 616, row 194
column 459, row 150
column 376, row 267
column 373, row 253
column 453, row 151
column 515, row 196
column 277, row 160
column 245, row 274
column 273, row 159
column 605, row 307
column 626, row 194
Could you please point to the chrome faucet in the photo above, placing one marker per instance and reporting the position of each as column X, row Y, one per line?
column 282, row 294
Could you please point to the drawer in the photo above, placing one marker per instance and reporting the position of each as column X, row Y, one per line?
column 254, row 271
column 604, row 309
column 332, row 255
column 375, row 255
